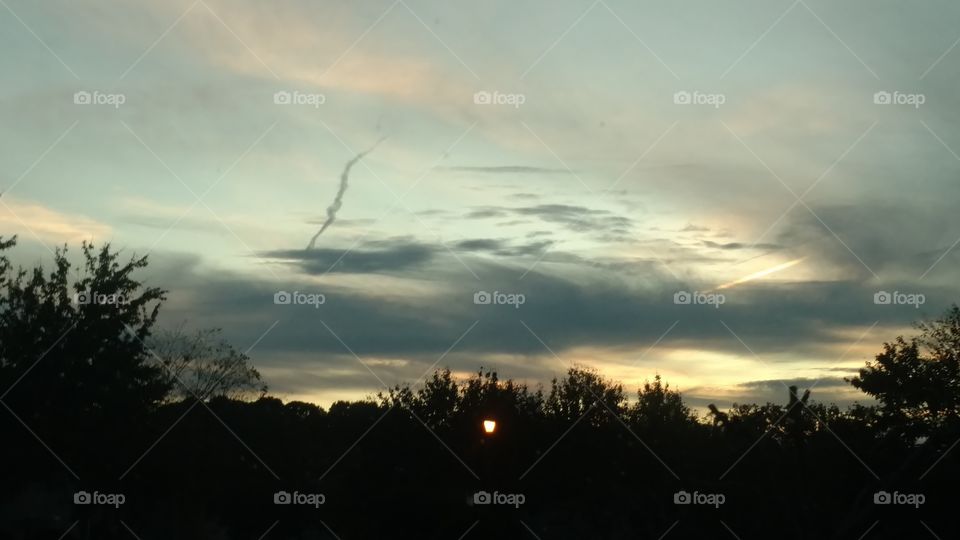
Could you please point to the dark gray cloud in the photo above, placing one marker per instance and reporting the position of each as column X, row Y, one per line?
column 900, row 241
column 486, row 212
column 367, row 259
column 577, row 218
column 741, row 245
column 589, row 306
column 802, row 383
column 395, row 256
column 502, row 247
column 566, row 311
column 852, row 370
column 610, row 226
column 482, row 244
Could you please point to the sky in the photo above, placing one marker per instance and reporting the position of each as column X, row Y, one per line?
column 789, row 167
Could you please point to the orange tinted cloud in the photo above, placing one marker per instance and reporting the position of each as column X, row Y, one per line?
column 29, row 219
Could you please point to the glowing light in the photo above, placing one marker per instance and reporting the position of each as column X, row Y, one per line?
column 761, row 273
column 489, row 426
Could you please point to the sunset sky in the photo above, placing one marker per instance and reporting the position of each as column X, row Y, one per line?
column 589, row 185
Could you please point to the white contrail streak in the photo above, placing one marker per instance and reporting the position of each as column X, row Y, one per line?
column 760, row 274
column 338, row 200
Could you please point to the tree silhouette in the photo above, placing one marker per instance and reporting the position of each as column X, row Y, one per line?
column 658, row 407
column 584, row 394
column 76, row 349
column 203, row 365
column 917, row 379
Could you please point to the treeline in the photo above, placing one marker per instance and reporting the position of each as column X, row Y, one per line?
column 112, row 428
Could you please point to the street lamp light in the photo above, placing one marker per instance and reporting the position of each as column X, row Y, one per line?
column 489, row 426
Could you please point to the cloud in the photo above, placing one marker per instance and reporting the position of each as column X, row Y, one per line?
column 592, row 307
column 396, row 256
column 422, row 301
column 27, row 219
column 575, row 218
column 888, row 202
column 897, row 242
column 802, row 383
column 509, row 169
column 488, row 212
column 369, row 259
column 341, row 191
column 485, row 244
column 503, row 247
column 740, row 245
column 286, row 41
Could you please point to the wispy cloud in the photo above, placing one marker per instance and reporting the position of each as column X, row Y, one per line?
column 28, row 218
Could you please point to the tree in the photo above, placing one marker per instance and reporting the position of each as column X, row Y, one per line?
column 77, row 349
column 658, row 406
column 203, row 365
column 442, row 400
column 4, row 261
column 917, row 380
column 436, row 403
column 584, row 393
column 798, row 422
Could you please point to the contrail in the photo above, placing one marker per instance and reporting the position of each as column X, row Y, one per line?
column 761, row 273
column 338, row 200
